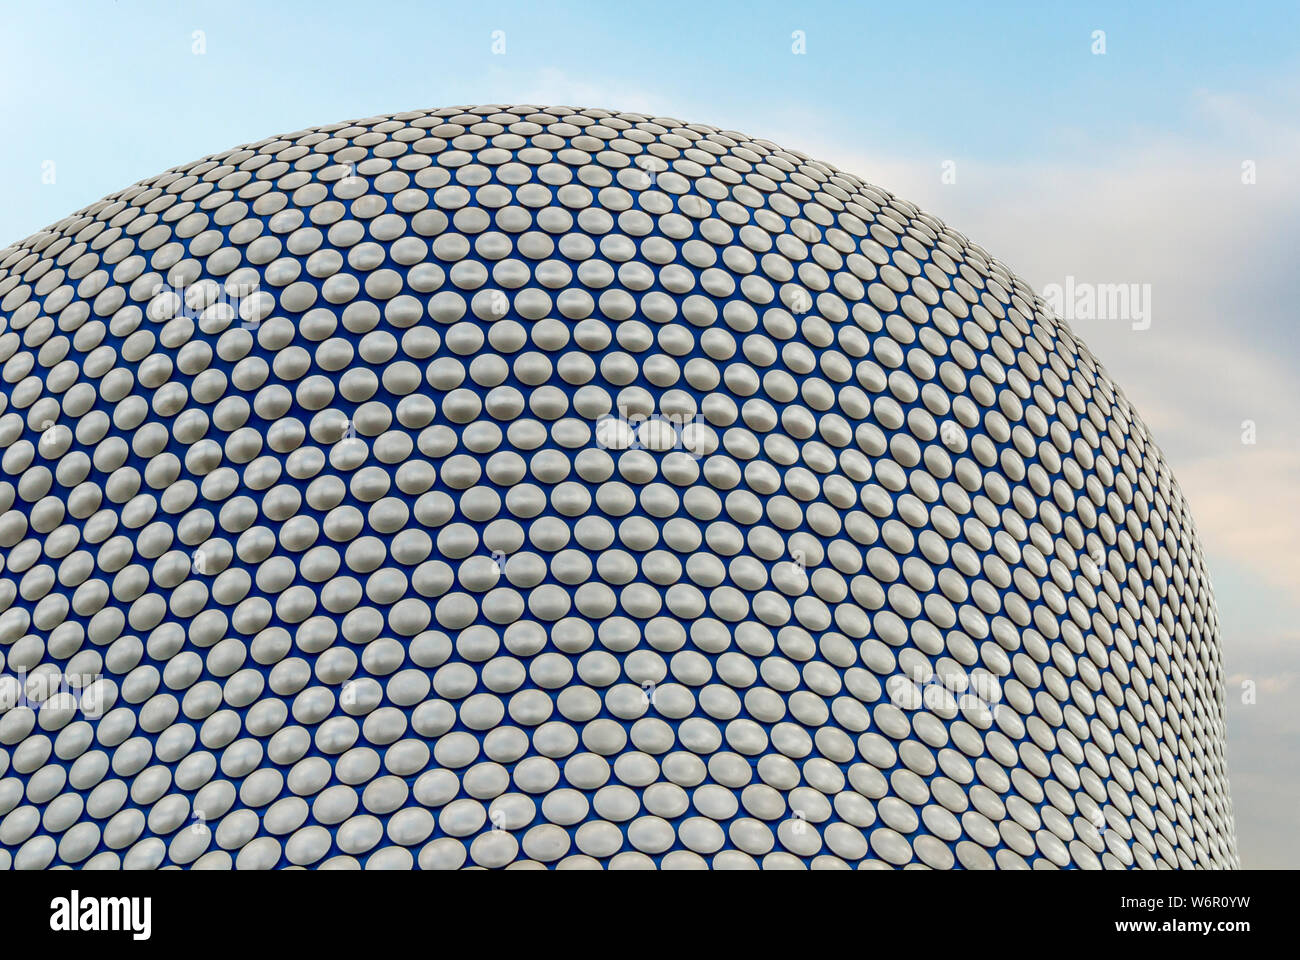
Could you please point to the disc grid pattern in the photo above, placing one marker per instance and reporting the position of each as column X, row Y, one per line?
column 520, row 486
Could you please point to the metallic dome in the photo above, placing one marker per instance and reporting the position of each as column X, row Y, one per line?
column 534, row 486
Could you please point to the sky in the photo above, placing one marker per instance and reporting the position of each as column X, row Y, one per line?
column 1080, row 143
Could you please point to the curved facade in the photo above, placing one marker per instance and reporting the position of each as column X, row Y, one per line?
column 523, row 486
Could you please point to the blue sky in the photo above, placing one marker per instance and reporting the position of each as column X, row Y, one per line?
column 113, row 92
column 1122, row 167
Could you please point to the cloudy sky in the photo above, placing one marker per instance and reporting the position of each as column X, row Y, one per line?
column 1168, row 160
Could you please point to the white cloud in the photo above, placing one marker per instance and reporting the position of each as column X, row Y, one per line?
column 1218, row 254
column 1174, row 214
